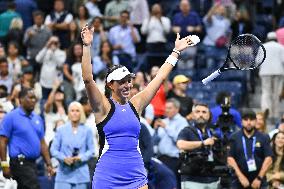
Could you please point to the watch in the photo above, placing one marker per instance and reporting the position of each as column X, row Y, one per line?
column 5, row 164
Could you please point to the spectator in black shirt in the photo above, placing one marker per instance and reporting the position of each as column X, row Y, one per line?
column 178, row 92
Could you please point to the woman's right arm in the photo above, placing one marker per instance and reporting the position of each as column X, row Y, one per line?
column 97, row 100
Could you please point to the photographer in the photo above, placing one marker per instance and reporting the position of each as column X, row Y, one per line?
column 224, row 109
column 250, row 154
column 195, row 140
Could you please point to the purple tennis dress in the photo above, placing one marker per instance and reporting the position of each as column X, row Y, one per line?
column 120, row 165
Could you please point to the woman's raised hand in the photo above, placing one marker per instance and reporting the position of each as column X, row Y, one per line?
column 183, row 43
column 87, row 35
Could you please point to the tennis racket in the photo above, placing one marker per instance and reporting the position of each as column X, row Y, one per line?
column 244, row 53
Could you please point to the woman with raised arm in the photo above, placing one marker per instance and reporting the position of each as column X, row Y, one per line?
column 120, row 164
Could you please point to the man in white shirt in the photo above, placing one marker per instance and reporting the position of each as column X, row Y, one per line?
column 272, row 76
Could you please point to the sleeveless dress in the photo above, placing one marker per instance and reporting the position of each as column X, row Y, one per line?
column 120, row 165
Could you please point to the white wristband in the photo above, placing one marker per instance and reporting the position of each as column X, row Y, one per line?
column 172, row 60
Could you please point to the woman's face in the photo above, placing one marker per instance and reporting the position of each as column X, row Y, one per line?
column 12, row 50
column 74, row 113
column 105, row 47
column 259, row 122
column 139, row 79
column 59, row 96
column 77, row 50
column 279, row 140
column 81, row 12
column 122, row 87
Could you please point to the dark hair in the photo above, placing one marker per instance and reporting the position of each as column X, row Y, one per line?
column 87, row 14
column 24, row 91
column 3, row 60
column 16, row 44
column 248, row 114
column 4, row 88
column 38, row 13
column 110, row 52
column 274, row 151
column 11, row 5
column 96, row 18
column 110, row 70
column 70, row 54
column 84, row 100
column 125, row 12
column 221, row 95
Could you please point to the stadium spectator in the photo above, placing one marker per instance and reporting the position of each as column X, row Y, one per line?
column 139, row 11
column 250, row 154
column 187, row 22
column 52, row 60
column 58, row 22
column 74, row 56
column 112, row 11
column 25, row 9
column 260, row 122
column 105, row 60
column 79, row 22
column 35, row 38
column 15, row 32
column 166, row 134
column 99, row 36
column 159, row 100
column 242, row 23
column 123, row 38
column 180, row 83
column 140, row 79
column 6, row 78
column 27, row 80
column 23, row 132
column 5, row 101
column 156, row 28
column 15, row 60
column 217, row 28
column 272, row 76
column 93, row 8
column 91, row 123
column 54, row 110
column 73, row 147
column 6, row 19
column 2, row 51
column 276, row 171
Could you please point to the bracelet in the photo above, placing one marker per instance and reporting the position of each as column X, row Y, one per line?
column 85, row 45
column 5, row 164
column 176, row 51
column 172, row 60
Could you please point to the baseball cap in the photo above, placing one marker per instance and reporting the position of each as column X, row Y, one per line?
column 119, row 74
column 249, row 113
column 180, row 79
column 27, row 69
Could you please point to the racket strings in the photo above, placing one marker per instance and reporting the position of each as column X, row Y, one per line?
column 247, row 52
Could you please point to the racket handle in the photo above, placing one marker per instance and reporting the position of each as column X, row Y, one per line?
column 211, row 77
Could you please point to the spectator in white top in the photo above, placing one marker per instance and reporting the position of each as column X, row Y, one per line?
column 52, row 60
column 58, row 21
column 272, row 75
column 156, row 27
column 139, row 11
column 93, row 8
column 217, row 27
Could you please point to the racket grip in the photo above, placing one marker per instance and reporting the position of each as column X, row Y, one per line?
column 211, row 77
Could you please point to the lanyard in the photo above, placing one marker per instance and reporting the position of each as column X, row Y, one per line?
column 245, row 147
column 200, row 134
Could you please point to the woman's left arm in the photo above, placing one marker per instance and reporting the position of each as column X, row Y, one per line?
column 143, row 98
column 90, row 149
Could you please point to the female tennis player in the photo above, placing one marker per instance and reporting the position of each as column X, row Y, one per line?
column 120, row 164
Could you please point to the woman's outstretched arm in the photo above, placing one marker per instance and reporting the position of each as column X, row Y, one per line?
column 97, row 100
column 143, row 98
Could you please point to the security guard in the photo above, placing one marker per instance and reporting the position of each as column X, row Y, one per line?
column 250, row 154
